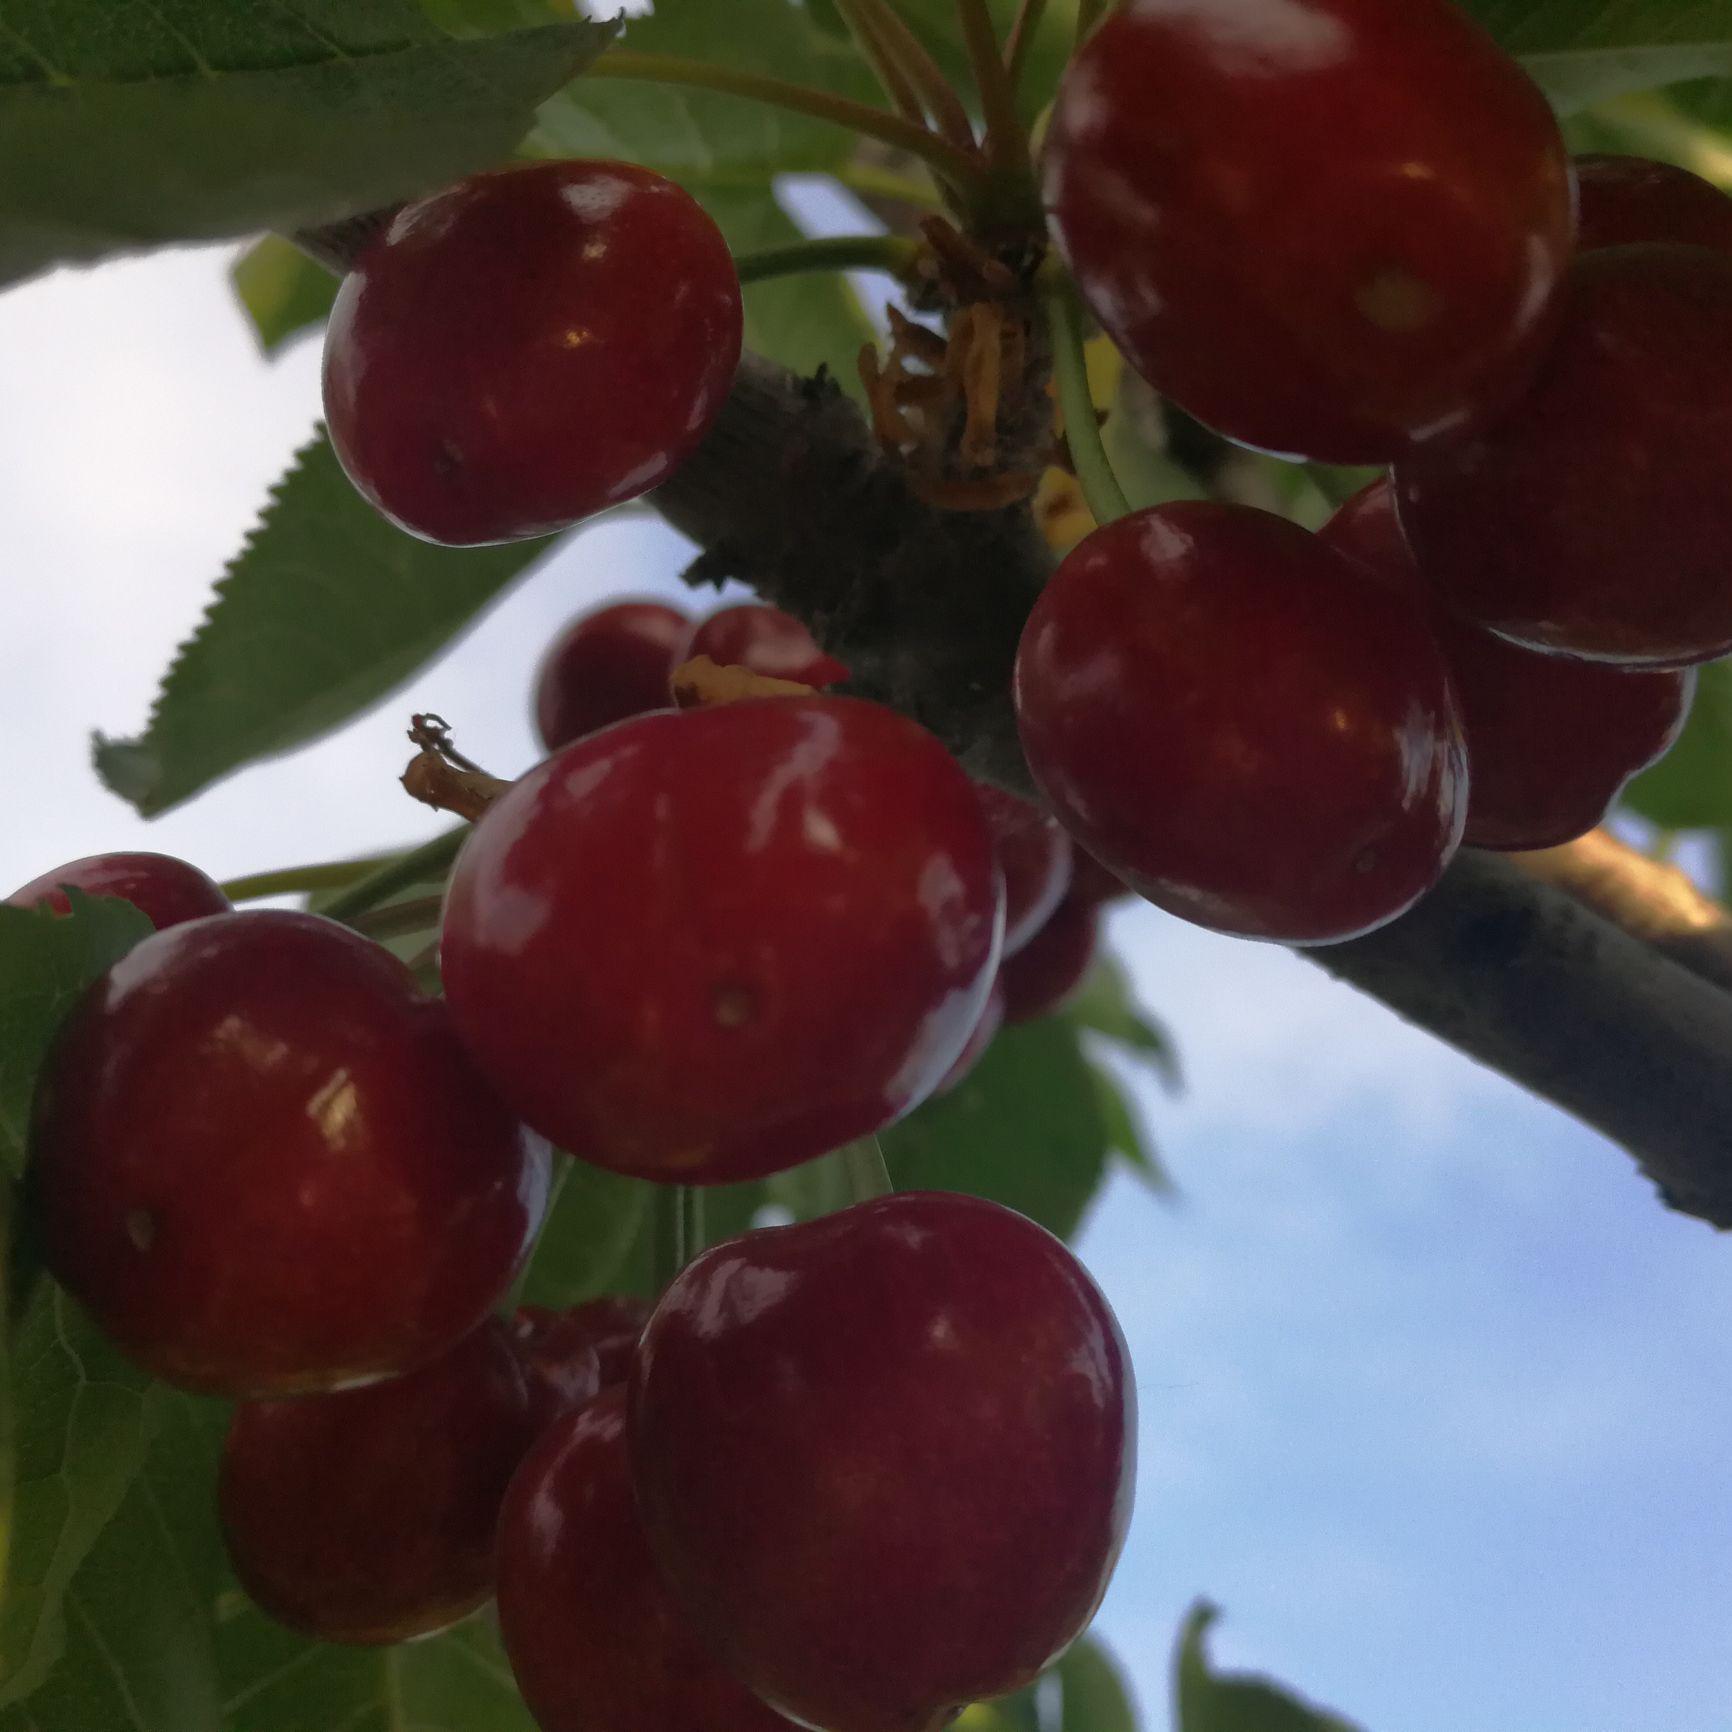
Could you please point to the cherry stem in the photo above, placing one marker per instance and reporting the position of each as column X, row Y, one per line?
column 868, row 1172
column 419, row 915
column 955, row 166
column 890, row 253
column 904, row 98
column 1094, row 470
column 679, row 1229
column 1021, row 39
column 424, row 865
column 1006, row 141
column 1088, row 15
column 869, row 182
column 298, row 880
column 890, row 30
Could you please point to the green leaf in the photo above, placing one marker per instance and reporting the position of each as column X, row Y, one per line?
column 1095, row 1696
column 1691, row 787
column 595, row 1219
column 1106, row 1005
column 282, row 291
column 8, row 1210
column 1025, row 1128
column 1210, row 1701
column 1127, row 1136
column 326, row 610
column 45, row 965
column 219, row 118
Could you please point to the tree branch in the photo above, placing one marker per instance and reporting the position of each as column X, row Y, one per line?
column 790, row 494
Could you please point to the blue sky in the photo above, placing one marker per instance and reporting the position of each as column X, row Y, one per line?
column 1434, row 1394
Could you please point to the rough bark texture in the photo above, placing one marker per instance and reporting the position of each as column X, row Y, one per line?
column 1620, row 1020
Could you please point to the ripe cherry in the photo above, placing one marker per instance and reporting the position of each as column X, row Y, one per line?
column 1330, row 228
column 985, row 1032
column 595, row 1639
column 266, row 1165
column 1046, row 974
column 1251, row 731
column 1594, row 520
column 1034, row 854
column 885, row 1457
column 1550, row 742
column 606, row 665
column 165, row 890
column 529, row 347
column 1628, row 200
column 706, row 946
column 568, row 1356
column 767, row 641
column 369, row 1516
column 1091, row 882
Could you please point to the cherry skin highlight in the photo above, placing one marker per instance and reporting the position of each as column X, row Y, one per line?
column 1550, row 742
column 1043, row 977
column 529, row 347
column 1629, row 201
column 369, row 1516
column 1326, row 228
column 767, row 641
column 885, row 1458
column 707, row 946
column 165, row 890
column 608, row 664
column 263, row 1162
column 1248, row 729
column 1595, row 519
column 596, row 1640
column 1034, row 854
column 985, row 1032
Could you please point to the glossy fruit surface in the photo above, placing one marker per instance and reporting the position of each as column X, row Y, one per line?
column 568, row 1356
column 799, row 949
column 1596, row 519
column 595, row 1638
column 369, row 1516
column 528, row 347
column 1550, row 742
column 1251, row 731
column 265, row 1164
column 165, row 890
column 985, row 1032
column 606, row 665
column 1329, row 228
column 1628, row 200
column 767, row 641
column 1034, row 854
column 886, row 1457
column 1045, row 974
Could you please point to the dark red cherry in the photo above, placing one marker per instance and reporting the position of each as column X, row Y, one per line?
column 1034, row 854
column 614, row 662
column 1045, row 975
column 1247, row 728
column 369, row 1516
column 1091, row 882
column 767, row 641
column 985, row 1031
column 569, row 1355
column 265, row 1164
column 1628, row 200
column 165, row 890
column 529, row 347
column 595, row 1639
column 885, row 1458
column 1550, row 742
column 1330, row 228
column 707, row 946
column 1596, row 519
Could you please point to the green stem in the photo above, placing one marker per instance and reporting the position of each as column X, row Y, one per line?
column 679, row 1231
column 1088, row 15
column 870, row 182
column 1094, row 470
column 910, row 54
column 868, row 1173
column 889, row 253
column 419, row 866
column 1006, row 141
column 953, row 165
column 298, row 880
column 420, row 915
column 1021, row 42
column 904, row 98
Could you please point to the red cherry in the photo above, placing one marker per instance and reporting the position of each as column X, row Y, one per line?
column 767, row 641
column 263, row 1161
column 594, row 1637
column 885, row 1457
column 1550, row 742
column 606, row 665
column 1595, row 520
column 985, row 1031
column 1034, row 854
column 1091, row 882
column 1627, row 200
column 1251, row 731
column 1042, row 978
column 369, row 1516
column 529, row 347
column 165, row 890
column 1332, row 228
column 569, row 1355
column 707, row 946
